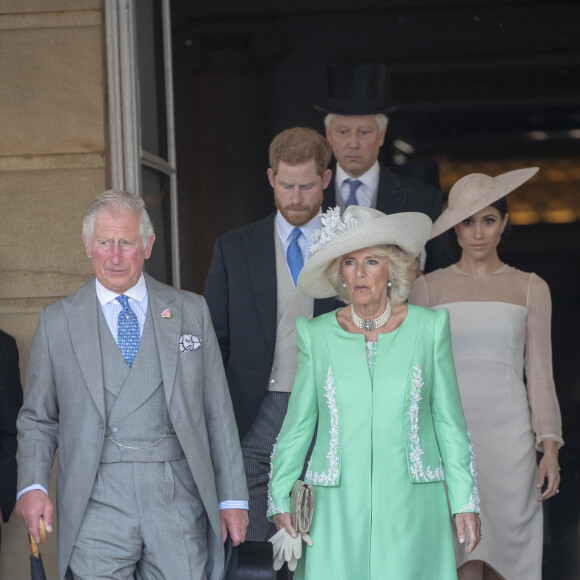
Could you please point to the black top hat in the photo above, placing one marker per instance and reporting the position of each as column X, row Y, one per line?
column 356, row 89
column 249, row 561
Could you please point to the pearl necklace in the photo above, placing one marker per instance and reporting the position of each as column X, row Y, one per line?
column 368, row 325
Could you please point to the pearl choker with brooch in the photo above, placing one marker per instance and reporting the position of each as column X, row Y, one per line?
column 368, row 325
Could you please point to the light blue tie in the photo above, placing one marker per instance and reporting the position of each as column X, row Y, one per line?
column 127, row 331
column 294, row 255
column 353, row 184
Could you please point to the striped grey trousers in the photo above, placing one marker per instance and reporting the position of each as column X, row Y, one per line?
column 257, row 447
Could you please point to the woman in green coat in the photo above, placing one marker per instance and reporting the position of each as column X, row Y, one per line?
column 379, row 380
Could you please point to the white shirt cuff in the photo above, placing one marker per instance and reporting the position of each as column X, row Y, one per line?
column 233, row 504
column 30, row 488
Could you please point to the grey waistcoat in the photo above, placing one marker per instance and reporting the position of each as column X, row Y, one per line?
column 291, row 304
column 135, row 407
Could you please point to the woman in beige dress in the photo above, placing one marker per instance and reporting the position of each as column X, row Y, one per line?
column 500, row 327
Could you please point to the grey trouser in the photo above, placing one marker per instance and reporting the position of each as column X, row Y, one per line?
column 144, row 521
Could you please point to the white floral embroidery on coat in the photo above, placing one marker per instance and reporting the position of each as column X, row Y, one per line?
column 273, row 509
column 419, row 472
column 331, row 477
column 473, row 504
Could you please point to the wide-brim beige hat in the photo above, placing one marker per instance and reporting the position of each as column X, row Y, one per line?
column 476, row 191
column 359, row 227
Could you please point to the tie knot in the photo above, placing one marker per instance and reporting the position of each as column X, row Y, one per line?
column 353, row 184
column 296, row 233
column 123, row 300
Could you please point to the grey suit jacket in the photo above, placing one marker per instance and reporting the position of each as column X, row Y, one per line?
column 64, row 407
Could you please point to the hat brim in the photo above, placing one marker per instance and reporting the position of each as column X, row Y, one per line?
column 408, row 230
column 355, row 109
column 462, row 209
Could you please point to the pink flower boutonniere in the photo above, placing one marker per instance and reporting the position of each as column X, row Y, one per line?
column 166, row 313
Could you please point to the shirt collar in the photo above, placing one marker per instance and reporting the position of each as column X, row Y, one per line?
column 370, row 179
column 138, row 292
column 285, row 228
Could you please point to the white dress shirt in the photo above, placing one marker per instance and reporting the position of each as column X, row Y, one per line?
column 366, row 194
column 285, row 229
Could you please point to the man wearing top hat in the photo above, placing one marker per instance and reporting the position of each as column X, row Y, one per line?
column 356, row 124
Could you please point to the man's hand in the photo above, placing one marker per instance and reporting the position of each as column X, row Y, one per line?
column 234, row 521
column 30, row 507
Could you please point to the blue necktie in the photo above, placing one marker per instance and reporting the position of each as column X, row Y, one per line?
column 294, row 255
column 127, row 331
column 353, row 184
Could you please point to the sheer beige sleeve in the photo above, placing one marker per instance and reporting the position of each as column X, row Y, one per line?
column 546, row 420
column 419, row 294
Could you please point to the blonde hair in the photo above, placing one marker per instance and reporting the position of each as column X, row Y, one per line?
column 402, row 273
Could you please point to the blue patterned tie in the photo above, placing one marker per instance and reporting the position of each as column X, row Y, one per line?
column 127, row 331
column 294, row 255
column 353, row 184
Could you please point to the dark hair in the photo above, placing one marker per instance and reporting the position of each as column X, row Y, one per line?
column 502, row 207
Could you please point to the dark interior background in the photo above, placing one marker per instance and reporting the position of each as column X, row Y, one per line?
column 480, row 86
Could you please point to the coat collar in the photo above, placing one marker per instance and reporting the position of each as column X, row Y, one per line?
column 261, row 261
column 167, row 330
column 82, row 315
column 391, row 195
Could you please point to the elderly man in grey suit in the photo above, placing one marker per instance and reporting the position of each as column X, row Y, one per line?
column 125, row 378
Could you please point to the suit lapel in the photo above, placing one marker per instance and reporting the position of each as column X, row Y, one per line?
column 392, row 194
column 81, row 314
column 329, row 195
column 167, row 330
column 261, row 263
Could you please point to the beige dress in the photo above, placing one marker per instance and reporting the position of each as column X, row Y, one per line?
column 500, row 328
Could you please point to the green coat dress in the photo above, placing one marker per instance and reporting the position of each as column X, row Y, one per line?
column 389, row 433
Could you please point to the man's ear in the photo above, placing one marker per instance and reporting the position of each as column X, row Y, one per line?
column 326, row 177
column 87, row 247
column 149, row 246
column 271, row 176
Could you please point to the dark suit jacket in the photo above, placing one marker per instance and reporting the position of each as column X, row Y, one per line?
column 10, row 403
column 241, row 293
column 398, row 193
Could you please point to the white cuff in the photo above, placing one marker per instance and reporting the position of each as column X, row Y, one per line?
column 30, row 488
column 233, row 504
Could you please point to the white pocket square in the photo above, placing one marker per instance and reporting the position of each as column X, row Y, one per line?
column 188, row 342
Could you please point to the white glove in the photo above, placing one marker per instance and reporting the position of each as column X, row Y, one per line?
column 288, row 549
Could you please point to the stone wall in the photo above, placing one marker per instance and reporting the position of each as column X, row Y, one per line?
column 53, row 161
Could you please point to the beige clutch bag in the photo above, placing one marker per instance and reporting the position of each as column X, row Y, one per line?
column 301, row 506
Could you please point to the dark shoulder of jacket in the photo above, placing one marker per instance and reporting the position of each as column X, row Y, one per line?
column 234, row 236
column 412, row 183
